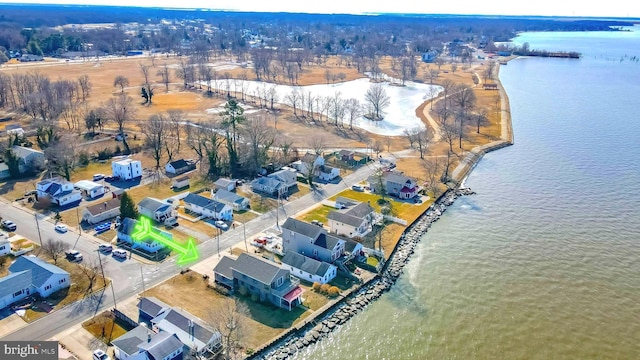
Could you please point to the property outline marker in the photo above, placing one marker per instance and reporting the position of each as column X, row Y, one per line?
column 189, row 253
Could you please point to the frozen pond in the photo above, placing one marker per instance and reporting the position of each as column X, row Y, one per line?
column 399, row 115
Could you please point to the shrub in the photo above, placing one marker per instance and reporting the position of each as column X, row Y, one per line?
column 83, row 158
column 105, row 154
column 316, row 286
column 249, row 351
column 254, row 297
column 243, row 290
column 324, row 288
column 334, row 291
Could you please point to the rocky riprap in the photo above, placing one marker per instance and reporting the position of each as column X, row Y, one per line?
column 359, row 300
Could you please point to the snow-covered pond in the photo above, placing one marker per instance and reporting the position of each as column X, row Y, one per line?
column 399, row 115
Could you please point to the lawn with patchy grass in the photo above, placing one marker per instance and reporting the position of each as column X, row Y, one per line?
column 160, row 190
column 265, row 321
column 261, row 203
column 87, row 172
column 403, row 209
column 318, row 213
column 244, row 216
column 106, row 327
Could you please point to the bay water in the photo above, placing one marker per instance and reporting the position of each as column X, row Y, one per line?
column 544, row 262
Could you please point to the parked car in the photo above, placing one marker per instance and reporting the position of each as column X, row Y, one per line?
column 109, row 178
column 119, row 253
column 107, row 248
column 357, row 188
column 98, row 177
column 61, row 228
column 221, row 225
column 73, row 255
column 102, row 227
column 100, row 355
column 9, row 225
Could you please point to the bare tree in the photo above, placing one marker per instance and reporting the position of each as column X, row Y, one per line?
column 354, row 110
column 260, row 138
column 54, row 249
column 432, row 75
column 85, row 87
column 480, row 118
column 378, row 100
column 164, row 74
column 120, row 110
column 449, row 133
column 62, row 156
column 147, row 91
column 433, row 168
column 293, row 99
column 318, row 143
column 230, row 319
column 377, row 147
column 173, row 140
column 185, row 72
column 91, row 269
column 122, row 82
column 155, row 132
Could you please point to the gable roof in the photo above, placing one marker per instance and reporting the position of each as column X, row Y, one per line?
column 345, row 218
column 361, row 210
column 204, row 202
column 302, row 228
column 179, row 164
column 224, row 182
column 268, row 181
column 257, row 268
column 53, row 188
column 223, row 267
column 87, row 185
column 306, row 264
column 228, row 196
column 41, row 270
column 176, row 322
column 325, row 169
column 23, row 152
column 151, row 305
column 153, row 204
column 14, row 282
column 104, row 207
column 129, row 341
column 327, row 241
column 350, row 245
column 398, row 178
column 162, row 345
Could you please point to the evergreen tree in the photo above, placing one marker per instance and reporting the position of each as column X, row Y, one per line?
column 12, row 162
column 232, row 117
column 127, row 207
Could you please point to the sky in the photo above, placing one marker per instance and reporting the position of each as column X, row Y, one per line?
column 609, row 8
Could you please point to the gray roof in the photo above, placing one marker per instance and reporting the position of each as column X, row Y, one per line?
column 161, row 345
column 267, row 181
column 23, row 152
column 129, row 341
column 397, row 178
column 327, row 241
column 41, row 270
column 224, row 182
column 103, row 207
column 360, row 211
column 228, row 196
column 224, row 267
column 346, row 201
column 53, row 188
column 326, row 169
column 173, row 320
column 127, row 225
column 303, row 228
column 306, row 264
column 345, row 218
column 14, row 282
column 151, row 306
column 204, row 202
column 350, row 245
column 262, row 270
column 152, row 204
column 179, row 164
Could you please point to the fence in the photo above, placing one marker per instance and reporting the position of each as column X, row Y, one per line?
column 395, row 219
column 121, row 316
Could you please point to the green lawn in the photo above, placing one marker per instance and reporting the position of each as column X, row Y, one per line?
column 159, row 190
column 318, row 213
column 404, row 210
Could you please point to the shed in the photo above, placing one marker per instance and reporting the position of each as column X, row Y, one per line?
column 180, row 182
column 89, row 189
column 225, row 184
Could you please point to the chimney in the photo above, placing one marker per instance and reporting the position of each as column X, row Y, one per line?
column 148, row 337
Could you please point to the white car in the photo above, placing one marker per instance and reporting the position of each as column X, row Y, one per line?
column 105, row 248
column 222, row 225
column 97, row 177
column 120, row 253
column 61, row 228
column 100, row 355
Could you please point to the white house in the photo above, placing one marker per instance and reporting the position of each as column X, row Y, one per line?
column 143, row 343
column 98, row 213
column 308, row 269
column 328, row 173
column 225, row 184
column 5, row 246
column 237, row 202
column 207, row 207
column 180, row 182
column 355, row 221
column 90, row 189
column 4, row 171
column 14, row 129
column 28, row 158
column 308, row 160
column 59, row 191
column 29, row 275
column 286, row 176
column 126, row 169
column 149, row 245
column 158, row 210
column 178, row 167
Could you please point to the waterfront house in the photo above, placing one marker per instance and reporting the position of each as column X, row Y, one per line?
column 158, row 210
column 260, row 277
column 29, row 275
column 58, row 191
column 308, row 269
column 237, row 202
column 147, row 244
column 178, row 167
column 143, row 343
column 98, row 213
column 311, row 240
column 126, row 169
column 28, row 159
column 225, row 184
column 89, row 189
column 207, row 207
column 355, row 221
column 394, row 183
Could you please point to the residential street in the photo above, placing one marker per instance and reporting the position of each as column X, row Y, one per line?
column 126, row 276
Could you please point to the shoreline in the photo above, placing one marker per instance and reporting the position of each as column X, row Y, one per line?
column 298, row 338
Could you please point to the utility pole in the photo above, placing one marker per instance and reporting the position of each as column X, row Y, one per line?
column 218, row 236
column 244, row 230
column 39, row 235
column 78, row 217
column 142, row 277
column 104, row 280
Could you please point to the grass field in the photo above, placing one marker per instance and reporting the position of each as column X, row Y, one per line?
column 106, row 327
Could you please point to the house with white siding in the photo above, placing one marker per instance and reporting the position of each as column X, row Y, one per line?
column 308, row 269
column 126, row 169
column 28, row 158
column 355, row 221
column 237, row 202
column 58, row 191
column 90, row 189
column 29, row 275
column 207, row 207
column 158, row 210
column 98, row 213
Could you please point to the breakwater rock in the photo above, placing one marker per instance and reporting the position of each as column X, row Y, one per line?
column 343, row 310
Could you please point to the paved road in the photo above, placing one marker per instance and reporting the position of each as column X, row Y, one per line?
column 127, row 275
